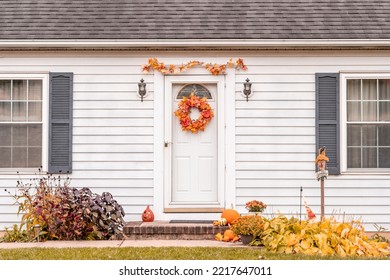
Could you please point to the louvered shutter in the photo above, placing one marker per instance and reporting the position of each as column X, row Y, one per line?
column 328, row 118
column 60, row 123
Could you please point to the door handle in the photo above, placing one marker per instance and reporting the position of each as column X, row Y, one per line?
column 166, row 143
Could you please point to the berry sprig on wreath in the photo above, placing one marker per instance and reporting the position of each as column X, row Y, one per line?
column 214, row 69
column 184, row 110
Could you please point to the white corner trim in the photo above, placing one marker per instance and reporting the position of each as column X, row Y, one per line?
column 158, row 182
column 230, row 142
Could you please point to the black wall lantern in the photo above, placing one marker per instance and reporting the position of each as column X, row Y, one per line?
column 142, row 89
column 247, row 88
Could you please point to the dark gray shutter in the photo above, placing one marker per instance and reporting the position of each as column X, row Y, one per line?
column 60, row 123
column 328, row 118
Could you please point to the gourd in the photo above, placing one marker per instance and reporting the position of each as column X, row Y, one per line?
column 230, row 215
column 220, row 222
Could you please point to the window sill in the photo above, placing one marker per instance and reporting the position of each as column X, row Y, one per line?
column 366, row 174
column 21, row 171
column 376, row 171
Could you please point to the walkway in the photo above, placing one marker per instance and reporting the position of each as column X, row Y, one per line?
column 122, row 243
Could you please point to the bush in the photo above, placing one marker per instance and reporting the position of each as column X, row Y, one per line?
column 327, row 237
column 16, row 234
column 66, row 213
column 248, row 225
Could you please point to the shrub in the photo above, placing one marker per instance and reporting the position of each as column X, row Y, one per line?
column 66, row 213
column 16, row 234
column 327, row 237
column 248, row 225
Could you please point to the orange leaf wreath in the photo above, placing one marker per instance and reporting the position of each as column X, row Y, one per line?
column 184, row 110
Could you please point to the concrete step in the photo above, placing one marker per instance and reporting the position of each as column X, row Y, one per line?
column 166, row 230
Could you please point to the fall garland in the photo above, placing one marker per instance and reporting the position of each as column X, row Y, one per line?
column 214, row 69
column 184, row 110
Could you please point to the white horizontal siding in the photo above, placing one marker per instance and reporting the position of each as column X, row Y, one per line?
column 275, row 131
column 112, row 129
column 275, row 141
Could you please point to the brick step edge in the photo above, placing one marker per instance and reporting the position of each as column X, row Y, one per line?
column 172, row 231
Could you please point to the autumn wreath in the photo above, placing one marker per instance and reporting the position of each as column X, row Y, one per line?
column 184, row 110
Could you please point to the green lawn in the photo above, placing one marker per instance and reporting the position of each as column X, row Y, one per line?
column 156, row 253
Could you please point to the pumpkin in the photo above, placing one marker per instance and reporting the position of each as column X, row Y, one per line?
column 229, row 234
column 225, row 239
column 230, row 215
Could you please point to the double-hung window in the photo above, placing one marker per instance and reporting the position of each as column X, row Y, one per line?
column 22, row 122
column 367, row 124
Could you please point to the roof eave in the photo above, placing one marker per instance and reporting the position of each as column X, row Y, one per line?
column 162, row 43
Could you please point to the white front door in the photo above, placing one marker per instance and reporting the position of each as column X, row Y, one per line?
column 194, row 165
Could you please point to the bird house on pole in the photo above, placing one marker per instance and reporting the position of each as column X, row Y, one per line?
column 321, row 160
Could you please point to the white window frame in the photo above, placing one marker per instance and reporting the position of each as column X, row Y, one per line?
column 45, row 119
column 343, row 123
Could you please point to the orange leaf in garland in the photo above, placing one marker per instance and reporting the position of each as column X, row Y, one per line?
column 184, row 110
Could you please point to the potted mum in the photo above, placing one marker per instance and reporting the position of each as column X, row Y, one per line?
column 248, row 227
column 255, row 206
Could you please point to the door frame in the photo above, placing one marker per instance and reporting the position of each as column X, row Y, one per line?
column 156, row 94
column 219, row 81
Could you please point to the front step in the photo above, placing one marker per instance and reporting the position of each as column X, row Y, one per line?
column 172, row 231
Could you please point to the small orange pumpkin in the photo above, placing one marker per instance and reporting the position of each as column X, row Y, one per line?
column 230, row 215
column 225, row 239
column 229, row 234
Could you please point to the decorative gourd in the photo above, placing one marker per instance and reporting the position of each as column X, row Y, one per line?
column 220, row 222
column 230, row 215
column 147, row 215
column 218, row 237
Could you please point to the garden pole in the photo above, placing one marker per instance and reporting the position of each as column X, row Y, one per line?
column 300, row 205
column 321, row 174
column 322, row 198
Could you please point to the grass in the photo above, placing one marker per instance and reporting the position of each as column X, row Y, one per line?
column 159, row 253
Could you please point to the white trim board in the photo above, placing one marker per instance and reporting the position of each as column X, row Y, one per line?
column 197, row 43
column 226, row 102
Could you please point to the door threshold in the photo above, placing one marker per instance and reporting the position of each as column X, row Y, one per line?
column 190, row 222
column 193, row 210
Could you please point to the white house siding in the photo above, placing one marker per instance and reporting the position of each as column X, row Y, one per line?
column 275, row 140
column 112, row 128
column 113, row 143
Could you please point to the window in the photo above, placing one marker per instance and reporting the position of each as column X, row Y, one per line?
column 21, row 123
column 368, row 123
column 198, row 89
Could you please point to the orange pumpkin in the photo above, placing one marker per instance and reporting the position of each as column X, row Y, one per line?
column 230, row 215
column 225, row 239
column 229, row 234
